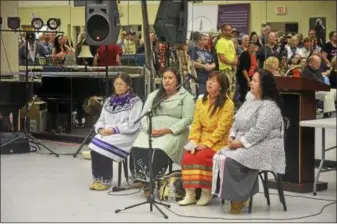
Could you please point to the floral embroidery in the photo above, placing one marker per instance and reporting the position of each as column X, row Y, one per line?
column 118, row 104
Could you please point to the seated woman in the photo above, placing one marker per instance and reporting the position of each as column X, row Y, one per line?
column 295, row 65
column 170, row 123
column 272, row 64
column 209, row 132
column 116, row 131
column 255, row 142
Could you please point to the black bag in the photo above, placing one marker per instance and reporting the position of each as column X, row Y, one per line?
column 13, row 142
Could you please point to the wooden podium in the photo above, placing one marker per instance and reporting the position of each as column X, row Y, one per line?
column 299, row 104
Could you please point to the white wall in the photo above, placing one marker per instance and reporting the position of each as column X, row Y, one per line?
column 202, row 16
column 8, row 40
column 27, row 4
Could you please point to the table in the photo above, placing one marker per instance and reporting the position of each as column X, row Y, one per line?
column 328, row 123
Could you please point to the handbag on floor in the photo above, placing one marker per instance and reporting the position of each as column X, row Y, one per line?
column 164, row 182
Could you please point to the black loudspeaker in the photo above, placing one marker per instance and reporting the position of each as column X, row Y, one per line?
column 13, row 142
column 102, row 22
column 171, row 21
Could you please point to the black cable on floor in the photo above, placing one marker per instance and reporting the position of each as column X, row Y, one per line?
column 270, row 219
column 252, row 219
column 112, row 193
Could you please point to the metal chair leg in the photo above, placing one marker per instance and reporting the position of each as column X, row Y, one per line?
column 126, row 170
column 119, row 174
column 250, row 205
column 266, row 192
column 281, row 192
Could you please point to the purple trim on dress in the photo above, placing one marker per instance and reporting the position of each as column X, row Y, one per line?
column 116, row 131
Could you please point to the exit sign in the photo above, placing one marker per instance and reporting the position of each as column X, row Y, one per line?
column 281, row 10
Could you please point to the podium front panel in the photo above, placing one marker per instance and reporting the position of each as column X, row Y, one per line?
column 299, row 145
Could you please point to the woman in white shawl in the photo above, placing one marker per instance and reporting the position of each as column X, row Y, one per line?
column 116, row 131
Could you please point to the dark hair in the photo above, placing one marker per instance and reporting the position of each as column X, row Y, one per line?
column 195, row 36
column 251, row 37
column 223, row 26
column 268, row 87
column 126, row 78
column 56, row 44
column 30, row 36
column 222, row 97
column 162, row 92
column 331, row 34
column 292, row 57
column 306, row 40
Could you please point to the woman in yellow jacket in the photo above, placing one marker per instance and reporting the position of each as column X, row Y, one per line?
column 212, row 121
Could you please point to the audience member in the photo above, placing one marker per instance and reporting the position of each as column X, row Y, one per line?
column 312, row 72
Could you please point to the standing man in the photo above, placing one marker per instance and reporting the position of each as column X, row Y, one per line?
column 227, row 57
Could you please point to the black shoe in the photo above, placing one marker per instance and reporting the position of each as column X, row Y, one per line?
column 327, row 115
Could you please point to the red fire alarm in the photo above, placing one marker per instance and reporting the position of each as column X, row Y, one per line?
column 281, row 10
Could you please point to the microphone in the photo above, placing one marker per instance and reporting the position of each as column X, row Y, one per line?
column 195, row 79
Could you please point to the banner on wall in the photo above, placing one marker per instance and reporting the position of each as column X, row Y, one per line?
column 237, row 15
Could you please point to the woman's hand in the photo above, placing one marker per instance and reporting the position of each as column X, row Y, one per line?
column 201, row 147
column 161, row 132
column 106, row 132
column 234, row 144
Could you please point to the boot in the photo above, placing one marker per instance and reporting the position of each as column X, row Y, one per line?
column 236, row 207
column 189, row 198
column 206, row 196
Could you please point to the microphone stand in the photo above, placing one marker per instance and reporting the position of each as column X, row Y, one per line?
column 28, row 135
column 151, row 198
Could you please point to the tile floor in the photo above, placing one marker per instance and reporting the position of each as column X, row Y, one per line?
column 43, row 188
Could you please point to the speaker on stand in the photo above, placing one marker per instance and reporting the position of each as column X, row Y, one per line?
column 102, row 22
column 171, row 24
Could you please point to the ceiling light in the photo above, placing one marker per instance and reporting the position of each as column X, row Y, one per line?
column 53, row 23
column 37, row 23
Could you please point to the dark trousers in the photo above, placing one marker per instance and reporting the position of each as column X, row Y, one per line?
column 243, row 87
column 101, row 168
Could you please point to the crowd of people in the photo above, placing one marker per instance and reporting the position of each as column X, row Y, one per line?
column 197, row 122
column 235, row 54
column 240, row 55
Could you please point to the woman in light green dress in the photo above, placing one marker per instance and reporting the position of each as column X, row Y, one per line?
column 170, row 129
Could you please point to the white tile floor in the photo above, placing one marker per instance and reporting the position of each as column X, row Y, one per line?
column 43, row 188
